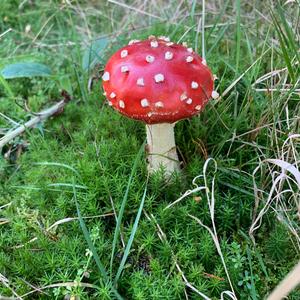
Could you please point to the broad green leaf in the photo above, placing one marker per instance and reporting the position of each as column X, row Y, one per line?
column 93, row 54
column 25, row 69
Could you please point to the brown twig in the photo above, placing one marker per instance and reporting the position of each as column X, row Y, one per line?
column 41, row 116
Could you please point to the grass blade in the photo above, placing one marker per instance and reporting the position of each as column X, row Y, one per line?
column 238, row 35
column 92, row 247
column 283, row 45
column 6, row 87
column 55, row 164
column 130, row 241
column 124, row 201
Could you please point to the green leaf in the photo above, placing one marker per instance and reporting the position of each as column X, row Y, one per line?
column 93, row 54
column 25, row 69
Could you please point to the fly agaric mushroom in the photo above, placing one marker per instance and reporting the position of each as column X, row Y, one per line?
column 158, row 82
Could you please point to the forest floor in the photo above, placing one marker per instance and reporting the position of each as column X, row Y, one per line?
column 72, row 189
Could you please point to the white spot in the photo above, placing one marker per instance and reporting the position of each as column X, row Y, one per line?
column 215, row 77
column 159, row 78
column 105, row 76
column 154, row 44
column 189, row 59
column 109, row 103
column 168, row 55
column 159, row 104
column 194, row 85
column 124, row 53
column 189, row 101
column 144, row 102
column 165, row 38
column 151, row 37
column 150, row 58
column 198, row 107
column 133, row 42
column 184, row 44
column 121, row 104
column 140, row 82
column 190, row 50
column 204, row 63
column 124, row 69
column 104, row 94
column 112, row 95
column 169, row 44
column 215, row 95
column 183, row 97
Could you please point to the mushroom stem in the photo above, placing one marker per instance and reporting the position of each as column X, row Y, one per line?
column 162, row 148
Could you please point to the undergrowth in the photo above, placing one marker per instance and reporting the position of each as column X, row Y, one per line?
column 89, row 151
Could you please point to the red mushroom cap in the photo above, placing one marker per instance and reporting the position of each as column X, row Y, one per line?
column 157, row 81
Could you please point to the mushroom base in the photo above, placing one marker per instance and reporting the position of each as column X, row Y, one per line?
column 161, row 148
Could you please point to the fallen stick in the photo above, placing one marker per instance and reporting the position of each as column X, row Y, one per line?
column 41, row 116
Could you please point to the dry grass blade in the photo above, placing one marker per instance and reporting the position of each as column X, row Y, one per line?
column 233, row 84
column 283, row 195
column 135, row 9
column 163, row 238
column 3, row 221
column 5, row 32
column 6, row 205
column 5, row 282
column 62, row 221
column 289, row 283
column 63, row 284
column 286, row 167
column 213, row 232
